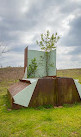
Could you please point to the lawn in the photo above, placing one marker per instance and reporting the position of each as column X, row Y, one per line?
column 48, row 122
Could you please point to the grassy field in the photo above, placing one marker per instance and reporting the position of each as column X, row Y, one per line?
column 60, row 122
column 74, row 73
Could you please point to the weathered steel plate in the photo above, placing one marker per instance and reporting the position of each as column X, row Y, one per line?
column 44, row 93
column 67, row 92
column 25, row 58
column 54, row 91
column 48, row 91
column 17, row 87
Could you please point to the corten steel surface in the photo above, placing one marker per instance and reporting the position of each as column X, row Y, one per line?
column 54, row 91
column 44, row 93
column 11, row 101
column 13, row 90
column 25, row 57
column 49, row 77
column 17, row 87
column 23, row 80
column 15, row 106
column 67, row 92
column 10, row 98
column 48, row 91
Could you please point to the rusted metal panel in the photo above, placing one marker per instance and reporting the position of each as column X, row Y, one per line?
column 49, row 77
column 17, row 87
column 54, row 91
column 10, row 98
column 48, row 91
column 25, row 58
column 44, row 93
column 11, row 101
column 25, row 80
column 24, row 96
column 67, row 92
column 15, row 106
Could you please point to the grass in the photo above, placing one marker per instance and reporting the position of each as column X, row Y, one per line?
column 74, row 73
column 39, row 122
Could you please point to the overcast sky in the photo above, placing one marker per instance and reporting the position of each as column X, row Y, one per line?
column 22, row 22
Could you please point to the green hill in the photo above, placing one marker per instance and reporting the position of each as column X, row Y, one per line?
column 74, row 73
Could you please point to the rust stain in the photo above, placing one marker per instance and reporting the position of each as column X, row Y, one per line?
column 67, row 92
column 25, row 57
column 54, row 91
column 44, row 93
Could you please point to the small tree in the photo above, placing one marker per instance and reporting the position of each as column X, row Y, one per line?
column 47, row 43
column 32, row 68
column 3, row 49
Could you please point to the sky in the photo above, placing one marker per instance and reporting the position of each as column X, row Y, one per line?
column 23, row 21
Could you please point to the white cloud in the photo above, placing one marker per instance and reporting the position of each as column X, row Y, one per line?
column 22, row 22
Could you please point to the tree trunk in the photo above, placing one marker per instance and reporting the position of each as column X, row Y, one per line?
column 46, row 63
